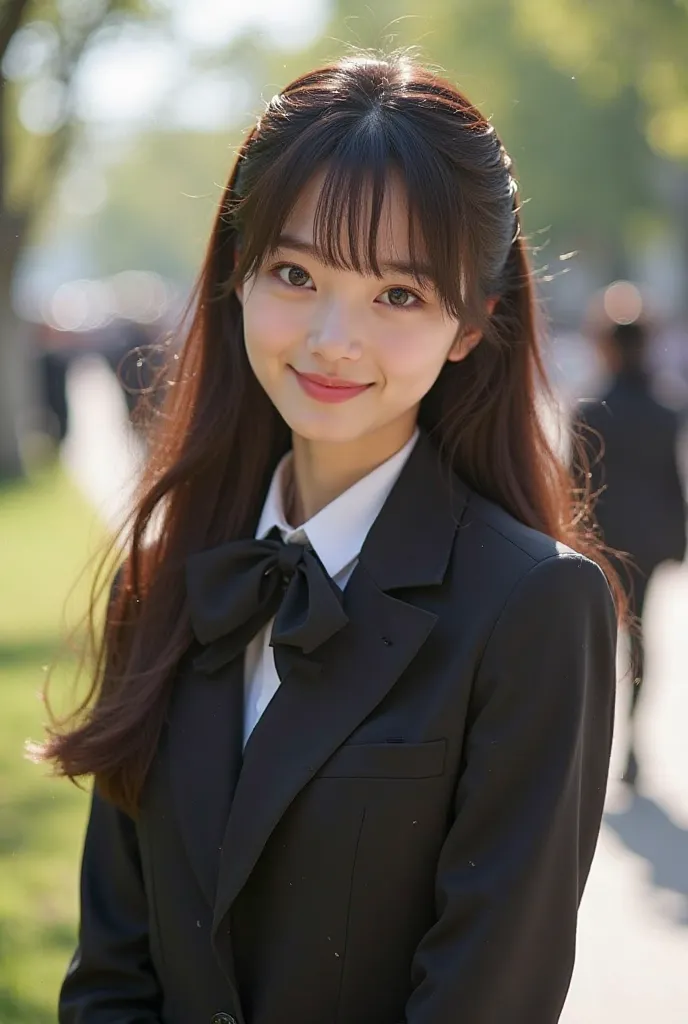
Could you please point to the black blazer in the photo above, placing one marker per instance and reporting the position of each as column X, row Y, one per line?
column 409, row 831
column 634, row 467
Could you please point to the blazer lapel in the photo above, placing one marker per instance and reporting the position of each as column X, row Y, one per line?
column 311, row 715
column 317, row 708
column 205, row 738
column 411, row 541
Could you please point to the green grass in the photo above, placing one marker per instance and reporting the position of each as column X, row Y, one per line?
column 47, row 534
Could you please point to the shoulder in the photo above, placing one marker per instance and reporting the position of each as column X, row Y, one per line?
column 589, row 407
column 500, row 557
column 501, row 536
column 671, row 413
column 593, row 413
column 547, row 617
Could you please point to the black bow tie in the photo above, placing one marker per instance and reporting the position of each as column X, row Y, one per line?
column 235, row 589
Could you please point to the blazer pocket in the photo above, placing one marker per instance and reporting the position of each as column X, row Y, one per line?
column 386, row 761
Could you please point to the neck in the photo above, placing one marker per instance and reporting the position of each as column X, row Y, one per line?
column 632, row 369
column 322, row 470
column 633, row 372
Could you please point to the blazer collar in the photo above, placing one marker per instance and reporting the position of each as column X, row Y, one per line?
column 410, row 543
column 316, row 710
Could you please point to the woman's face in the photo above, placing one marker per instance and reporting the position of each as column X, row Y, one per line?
column 344, row 355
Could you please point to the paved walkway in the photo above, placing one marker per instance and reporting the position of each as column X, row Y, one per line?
column 632, row 965
column 101, row 450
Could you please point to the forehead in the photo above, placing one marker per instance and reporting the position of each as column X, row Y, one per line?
column 349, row 224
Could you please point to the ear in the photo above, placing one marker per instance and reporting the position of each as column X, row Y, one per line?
column 467, row 339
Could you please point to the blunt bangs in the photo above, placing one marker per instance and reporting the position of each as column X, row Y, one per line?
column 358, row 157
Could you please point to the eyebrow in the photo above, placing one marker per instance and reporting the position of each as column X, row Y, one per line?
column 404, row 267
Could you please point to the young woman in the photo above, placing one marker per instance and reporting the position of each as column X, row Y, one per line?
column 351, row 734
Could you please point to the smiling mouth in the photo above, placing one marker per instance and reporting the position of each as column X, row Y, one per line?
column 331, row 382
column 328, row 389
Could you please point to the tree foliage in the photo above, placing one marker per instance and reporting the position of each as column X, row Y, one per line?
column 42, row 43
column 161, row 203
column 623, row 45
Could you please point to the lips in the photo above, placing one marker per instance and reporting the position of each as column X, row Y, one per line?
column 331, row 382
column 328, row 389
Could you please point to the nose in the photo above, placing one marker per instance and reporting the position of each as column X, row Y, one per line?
column 335, row 335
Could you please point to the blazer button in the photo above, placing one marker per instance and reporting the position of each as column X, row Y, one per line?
column 223, row 1018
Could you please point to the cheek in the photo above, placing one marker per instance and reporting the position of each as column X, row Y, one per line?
column 415, row 355
column 269, row 327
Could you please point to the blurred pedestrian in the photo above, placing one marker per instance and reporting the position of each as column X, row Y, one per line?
column 54, row 351
column 631, row 442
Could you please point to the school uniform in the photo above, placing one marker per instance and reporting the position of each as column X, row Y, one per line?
column 400, row 824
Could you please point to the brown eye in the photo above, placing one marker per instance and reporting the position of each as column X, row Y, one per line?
column 400, row 297
column 293, row 275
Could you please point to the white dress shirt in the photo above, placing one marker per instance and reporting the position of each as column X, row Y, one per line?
column 336, row 534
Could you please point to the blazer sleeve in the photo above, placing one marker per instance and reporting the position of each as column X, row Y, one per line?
column 528, row 806
column 111, row 979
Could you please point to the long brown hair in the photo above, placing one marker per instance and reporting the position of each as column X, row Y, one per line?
column 218, row 436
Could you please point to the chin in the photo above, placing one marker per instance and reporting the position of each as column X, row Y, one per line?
column 316, row 429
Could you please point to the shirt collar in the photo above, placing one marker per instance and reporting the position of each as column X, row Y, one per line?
column 338, row 531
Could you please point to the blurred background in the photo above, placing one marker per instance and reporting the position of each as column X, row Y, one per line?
column 120, row 120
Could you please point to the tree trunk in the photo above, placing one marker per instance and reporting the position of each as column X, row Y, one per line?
column 15, row 359
column 13, row 392
column 11, row 375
